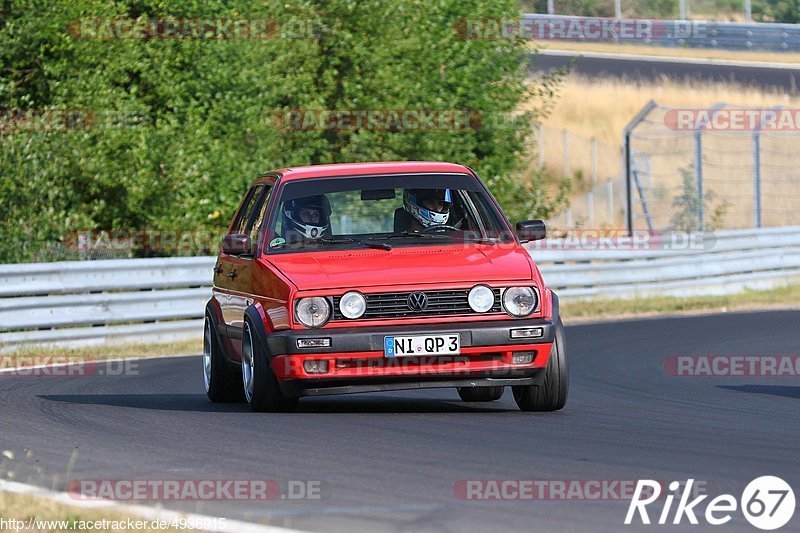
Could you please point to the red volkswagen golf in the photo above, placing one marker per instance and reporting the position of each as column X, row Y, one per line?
column 336, row 279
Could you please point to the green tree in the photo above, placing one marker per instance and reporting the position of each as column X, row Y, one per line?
column 184, row 125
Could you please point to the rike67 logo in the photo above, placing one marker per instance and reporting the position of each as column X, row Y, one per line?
column 767, row 503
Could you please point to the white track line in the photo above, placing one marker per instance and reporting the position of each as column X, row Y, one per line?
column 149, row 513
column 670, row 59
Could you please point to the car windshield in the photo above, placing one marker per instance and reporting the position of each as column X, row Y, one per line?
column 383, row 212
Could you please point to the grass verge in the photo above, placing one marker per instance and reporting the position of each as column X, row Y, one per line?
column 48, row 516
column 787, row 297
column 662, row 51
column 29, row 354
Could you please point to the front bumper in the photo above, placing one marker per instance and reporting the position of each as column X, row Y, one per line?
column 356, row 360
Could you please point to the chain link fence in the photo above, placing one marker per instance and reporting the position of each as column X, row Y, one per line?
column 597, row 171
column 722, row 167
column 686, row 169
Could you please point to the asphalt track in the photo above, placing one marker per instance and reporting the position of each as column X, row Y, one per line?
column 389, row 461
column 781, row 77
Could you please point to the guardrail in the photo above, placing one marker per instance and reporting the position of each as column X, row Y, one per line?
column 95, row 302
column 155, row 300
column 677, row 33
column 724, row 262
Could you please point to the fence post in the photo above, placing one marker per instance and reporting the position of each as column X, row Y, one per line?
column 590, row 208
column 594, row 161
column 569, row 217
column 565, row 150
column 748, row 10
column 617, row 9
column 628, row 159
column 757, row 177
column 683, row 9
column 698, row 177
column 628, row 191
column 550, row 9
column 610, row 193
column 698, row 163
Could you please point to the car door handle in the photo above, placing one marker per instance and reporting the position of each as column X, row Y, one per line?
column 232, row 274
column 217, row 269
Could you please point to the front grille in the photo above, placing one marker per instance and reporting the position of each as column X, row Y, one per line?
column 395, row 304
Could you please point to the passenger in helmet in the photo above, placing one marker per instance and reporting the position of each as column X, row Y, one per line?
column 306, row 219
column 427, row 207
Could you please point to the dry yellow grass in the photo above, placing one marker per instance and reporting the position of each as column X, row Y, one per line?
column 41, row 511
column 698, row 53
column 778, row 298
column 30, row 354
column 602, row 107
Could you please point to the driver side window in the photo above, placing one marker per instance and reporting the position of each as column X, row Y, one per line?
column 251, row 217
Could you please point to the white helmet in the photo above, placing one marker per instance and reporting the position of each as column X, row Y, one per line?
column 293, row 223
column 413, row 203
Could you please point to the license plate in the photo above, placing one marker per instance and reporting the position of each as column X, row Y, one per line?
column 449, row 344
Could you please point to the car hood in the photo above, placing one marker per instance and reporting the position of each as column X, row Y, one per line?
column 415, row 265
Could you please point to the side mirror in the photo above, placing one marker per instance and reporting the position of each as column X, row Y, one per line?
column 237, row 244
column 531, row 230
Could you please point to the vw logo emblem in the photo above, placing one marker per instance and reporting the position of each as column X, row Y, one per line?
column 417, row 301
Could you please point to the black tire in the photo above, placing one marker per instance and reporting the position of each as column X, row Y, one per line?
column 552, row 394
column 220, row 377
column 266, row 395
column 480, row 394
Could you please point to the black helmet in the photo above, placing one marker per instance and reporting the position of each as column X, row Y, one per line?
column 293, row 222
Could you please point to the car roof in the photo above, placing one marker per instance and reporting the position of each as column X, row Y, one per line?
column 362, row 169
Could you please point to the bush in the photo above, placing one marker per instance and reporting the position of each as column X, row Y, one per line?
column 182, row 126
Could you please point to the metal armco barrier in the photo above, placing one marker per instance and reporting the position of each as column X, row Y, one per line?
column 672, row 33
column 156, row 300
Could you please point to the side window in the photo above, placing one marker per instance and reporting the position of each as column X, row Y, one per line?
column 245, row 213
column 258, row 221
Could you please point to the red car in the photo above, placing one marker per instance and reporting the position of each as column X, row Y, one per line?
column 380, row 276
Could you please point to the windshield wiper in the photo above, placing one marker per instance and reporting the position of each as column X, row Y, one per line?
column 414, row 235
column 482, row 240
column 347, row 240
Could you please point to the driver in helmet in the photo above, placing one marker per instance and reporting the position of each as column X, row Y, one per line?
column 306, row 219
column 427, row 207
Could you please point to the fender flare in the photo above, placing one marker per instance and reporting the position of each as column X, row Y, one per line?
column 554, row 316
column 214, row 313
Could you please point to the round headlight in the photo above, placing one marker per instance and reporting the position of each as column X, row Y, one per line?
column 353, row 304
column 481, row 298
column 313, row 312
column 520, row 301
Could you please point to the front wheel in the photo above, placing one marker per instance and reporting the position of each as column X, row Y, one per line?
column 480, row 394
column 261, row 388
column 551, row 395
column 221, row 382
